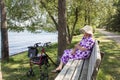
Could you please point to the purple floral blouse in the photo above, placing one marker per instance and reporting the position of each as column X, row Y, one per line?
column 86, row 43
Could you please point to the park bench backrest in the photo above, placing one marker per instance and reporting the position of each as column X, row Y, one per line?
column 94, row 61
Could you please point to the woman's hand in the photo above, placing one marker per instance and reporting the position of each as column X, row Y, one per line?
column 73, row 51
column 77, row 46
column 81, row 48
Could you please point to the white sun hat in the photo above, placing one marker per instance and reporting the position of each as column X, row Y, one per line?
column 88, row 29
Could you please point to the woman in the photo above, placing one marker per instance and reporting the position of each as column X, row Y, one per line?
column 81, row 50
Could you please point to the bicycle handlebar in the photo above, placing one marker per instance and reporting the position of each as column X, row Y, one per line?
column 37, row 44
column 47, row 44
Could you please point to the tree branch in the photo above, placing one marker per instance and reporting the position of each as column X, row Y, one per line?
column 56, row 24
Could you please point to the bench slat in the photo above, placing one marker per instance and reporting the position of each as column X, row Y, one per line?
column 71, row 70
column 84, row 70
column 78, row 70
column 64, row 70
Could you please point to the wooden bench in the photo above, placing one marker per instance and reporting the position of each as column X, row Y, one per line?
column 82, row 69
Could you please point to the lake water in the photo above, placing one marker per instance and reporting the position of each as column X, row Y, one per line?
column 18, row 42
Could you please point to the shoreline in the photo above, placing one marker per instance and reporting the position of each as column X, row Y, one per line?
column 25, row 51
column 16, row 54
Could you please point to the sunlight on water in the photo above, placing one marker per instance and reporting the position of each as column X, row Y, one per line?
column 18, row 42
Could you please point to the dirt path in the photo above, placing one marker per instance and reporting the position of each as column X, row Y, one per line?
column 110, row 35
column 0, row 76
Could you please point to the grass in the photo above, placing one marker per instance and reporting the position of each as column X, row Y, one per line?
column 110, row 67
column 19, row 64
column 109, row 70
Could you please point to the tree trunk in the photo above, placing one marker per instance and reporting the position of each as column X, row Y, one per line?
column 85, row 17
column 89, row 12
column 61, row 27
column 68, row 35
column 4, row 33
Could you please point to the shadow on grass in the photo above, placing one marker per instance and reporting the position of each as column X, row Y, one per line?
column 18, row 66
column 110, row 67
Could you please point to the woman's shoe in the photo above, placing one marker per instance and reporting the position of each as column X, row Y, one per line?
column 55, row 71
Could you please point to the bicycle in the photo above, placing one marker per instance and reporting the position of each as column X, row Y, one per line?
column 39, row 58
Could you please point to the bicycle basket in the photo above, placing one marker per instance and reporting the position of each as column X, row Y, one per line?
column 32, row 51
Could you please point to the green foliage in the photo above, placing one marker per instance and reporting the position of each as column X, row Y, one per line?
column 113, row 22
column 21, row 15
column 99, row 13
column 49, row 29
column 16, row 28
column 77, row 32
column 19, row 9
column 103, row 10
